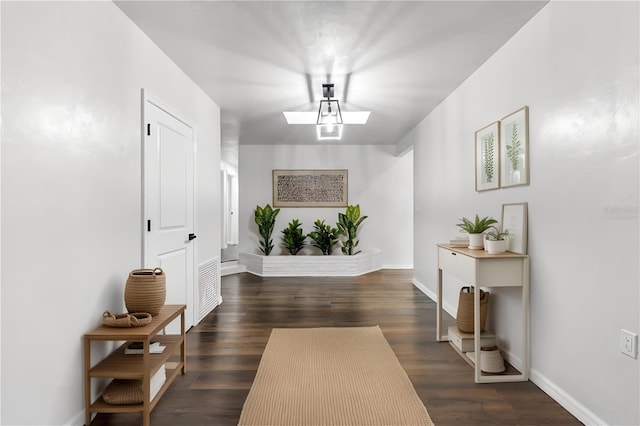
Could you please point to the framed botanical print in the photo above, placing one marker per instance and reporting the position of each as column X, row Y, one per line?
column 487, row 157
column 514, row 148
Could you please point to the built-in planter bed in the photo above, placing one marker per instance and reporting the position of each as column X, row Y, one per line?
column 336, row 265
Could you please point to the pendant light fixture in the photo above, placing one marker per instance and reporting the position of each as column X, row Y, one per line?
column 330, row 119
column 329, row 111
column 329, row 122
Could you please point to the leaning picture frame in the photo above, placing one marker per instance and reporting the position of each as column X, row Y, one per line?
column 514, row 220
column 487, row 150
column 514, row 148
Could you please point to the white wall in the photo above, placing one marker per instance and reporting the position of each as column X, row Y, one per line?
column 72, row 73
column 378, row 180
column 575, row 65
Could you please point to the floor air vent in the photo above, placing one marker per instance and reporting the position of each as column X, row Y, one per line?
column 208, row 287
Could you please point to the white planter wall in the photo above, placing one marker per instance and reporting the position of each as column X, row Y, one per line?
column 312, row 266
column 575, row 65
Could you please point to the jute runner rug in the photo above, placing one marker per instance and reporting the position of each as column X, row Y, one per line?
column 331, row 376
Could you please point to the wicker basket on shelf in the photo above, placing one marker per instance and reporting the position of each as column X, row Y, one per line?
column 145, row 291
column 123, row 392
column 464, row 318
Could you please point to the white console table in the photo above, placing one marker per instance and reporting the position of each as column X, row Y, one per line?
column 478, row 268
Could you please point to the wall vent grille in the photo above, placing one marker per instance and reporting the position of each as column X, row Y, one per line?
column 209, row 295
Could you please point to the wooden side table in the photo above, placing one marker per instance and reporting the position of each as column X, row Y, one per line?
column 142, row 367
column 478, row 268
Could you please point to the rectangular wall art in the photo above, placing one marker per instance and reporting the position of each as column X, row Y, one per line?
column 514, row 220
column 310, row 188
column 514, row 148
column 487, row 165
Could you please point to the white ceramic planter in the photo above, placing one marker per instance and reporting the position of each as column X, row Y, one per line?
column 495, row 247
column 491, row 360
column 476, row 241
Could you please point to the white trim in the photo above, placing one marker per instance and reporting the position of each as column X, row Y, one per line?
column 78, row 419
column 149, row 97
column 565, row 400
column 386, row 266
column 448, row 308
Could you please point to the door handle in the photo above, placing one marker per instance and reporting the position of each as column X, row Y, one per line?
column 192, row 237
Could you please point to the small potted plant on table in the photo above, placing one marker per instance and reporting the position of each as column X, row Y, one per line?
column 496, row 240
column 476, row 230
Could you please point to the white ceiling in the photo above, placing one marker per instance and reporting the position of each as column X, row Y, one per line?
column 397, row 59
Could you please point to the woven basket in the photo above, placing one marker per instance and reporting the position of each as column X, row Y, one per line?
column 121, row 391
column 136, row 319
column 145, row 291
column 464, row 318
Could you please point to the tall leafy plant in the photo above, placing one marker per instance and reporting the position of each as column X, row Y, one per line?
column 348, row 223
column 265, row 218
column 292, row 237
column 324, row 236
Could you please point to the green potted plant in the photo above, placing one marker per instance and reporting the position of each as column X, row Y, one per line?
column 496, row 240
column 348, row 223
column 476, row 230
column 265, row 218
column 292, row 237
column 324, row 236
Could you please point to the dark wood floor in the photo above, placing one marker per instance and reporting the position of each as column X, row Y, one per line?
column 225, row 348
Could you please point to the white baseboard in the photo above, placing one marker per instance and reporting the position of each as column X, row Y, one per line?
column 230, row 268
column 555, row 392
column 569, row 403
column 397, row 266
column 448, row 308
column 78, row 419
column 423, row 288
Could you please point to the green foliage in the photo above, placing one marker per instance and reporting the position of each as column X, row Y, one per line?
column 496, row 234
column 488, row 154
column 265, row 218
column 324, row 236
column 476, row 227
column 348, row 223
column 513, row 150
column 292, row 237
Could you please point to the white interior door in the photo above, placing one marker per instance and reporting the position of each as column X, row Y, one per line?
column 169, row 150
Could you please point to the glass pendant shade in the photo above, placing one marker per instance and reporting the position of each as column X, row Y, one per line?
column 329, row 131
column 329, row 112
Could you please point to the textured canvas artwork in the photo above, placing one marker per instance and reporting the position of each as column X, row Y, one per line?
column 310, row 188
